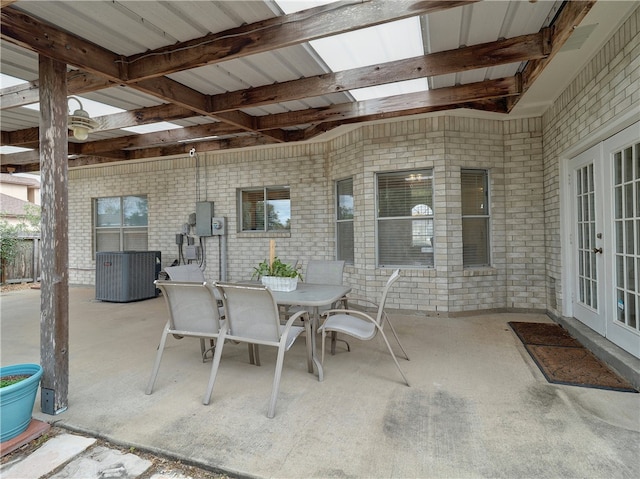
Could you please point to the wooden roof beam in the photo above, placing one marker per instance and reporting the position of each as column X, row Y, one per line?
column 159, row 138
column 38, row 36
column 512, row 50
column 569, row 17
column 277, row 32
column 496, row 105
column 78, row 82
column 402, row 104
column 28, row 138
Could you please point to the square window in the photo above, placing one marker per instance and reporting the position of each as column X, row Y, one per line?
column 405, row 219
column 265, row 209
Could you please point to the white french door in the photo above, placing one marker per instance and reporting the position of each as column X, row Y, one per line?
column 623, row 153
column 588, row 240
column 606, row 238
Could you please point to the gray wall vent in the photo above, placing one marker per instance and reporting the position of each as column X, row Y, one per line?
column 124, row 276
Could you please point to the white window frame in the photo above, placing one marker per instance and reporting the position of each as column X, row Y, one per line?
column 120, row 228
column 344, row 221
column 424, row 252
column 265, row 200
column 486, row 217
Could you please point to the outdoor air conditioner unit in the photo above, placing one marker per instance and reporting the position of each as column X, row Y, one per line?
column 125, row 276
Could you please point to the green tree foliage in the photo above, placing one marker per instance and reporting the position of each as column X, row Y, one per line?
column 10, row 235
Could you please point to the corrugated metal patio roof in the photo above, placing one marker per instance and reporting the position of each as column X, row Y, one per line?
column 235, row 53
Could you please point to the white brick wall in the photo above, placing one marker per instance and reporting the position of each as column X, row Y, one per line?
column 443, row 143
column 607, row 87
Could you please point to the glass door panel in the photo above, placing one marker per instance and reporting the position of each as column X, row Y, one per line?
column 626, row 176
column 586, row 231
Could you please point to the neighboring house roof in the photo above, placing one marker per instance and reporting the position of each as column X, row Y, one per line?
column 10, row 206
column 19, row 180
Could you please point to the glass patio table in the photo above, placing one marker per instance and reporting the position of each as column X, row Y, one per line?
column 312, row 296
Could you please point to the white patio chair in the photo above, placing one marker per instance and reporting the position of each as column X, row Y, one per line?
column 361, row 325
column 193, row 312
column 185, row 272
column 325, row 272
column 193, row 273
column 252, row 317
column 321, row 272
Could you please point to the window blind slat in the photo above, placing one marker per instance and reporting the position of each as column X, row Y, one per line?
column 108, row 240
column 405, row 218
column 475, row 241
column 474, row 192
column 475, row 217
column 345, row 241
column 344, row 224
column 135, row 240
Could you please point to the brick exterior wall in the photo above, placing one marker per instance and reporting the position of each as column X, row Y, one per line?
column 444, row 143
column 520, row 154
column 608, row 87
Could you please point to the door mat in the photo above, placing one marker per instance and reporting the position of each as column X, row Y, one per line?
column 563, row 360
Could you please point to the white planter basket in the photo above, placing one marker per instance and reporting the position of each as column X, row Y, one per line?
column 276, row 283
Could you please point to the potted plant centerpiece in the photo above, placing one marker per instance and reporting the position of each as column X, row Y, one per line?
column 277, row 275
column 18, row 388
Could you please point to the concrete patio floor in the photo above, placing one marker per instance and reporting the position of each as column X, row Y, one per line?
column 477, row 407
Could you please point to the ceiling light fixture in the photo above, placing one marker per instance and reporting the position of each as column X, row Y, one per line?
column 80, row 122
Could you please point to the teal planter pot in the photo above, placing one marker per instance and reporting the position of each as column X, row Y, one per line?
column 17, row 400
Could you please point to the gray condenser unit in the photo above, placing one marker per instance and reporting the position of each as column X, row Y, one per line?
column 124, row 276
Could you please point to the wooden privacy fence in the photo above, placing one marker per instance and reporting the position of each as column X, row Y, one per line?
column 25, row 267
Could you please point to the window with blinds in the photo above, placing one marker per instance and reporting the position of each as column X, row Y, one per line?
column 344, row 220
column 405, row 219
column 120, row 223
column 475, row 217
column 265, row 209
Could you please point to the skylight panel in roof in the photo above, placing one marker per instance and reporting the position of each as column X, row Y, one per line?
column 94, row 108
column 369, row 46
column 6, row 81
column 372, row 45
column 7, row 149
column 152, row 127
column 391, row 89
column 97, row 109
column 290, row 6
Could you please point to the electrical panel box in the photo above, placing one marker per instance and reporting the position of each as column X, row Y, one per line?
column 218, row 226
column 204, row 213
column 192, row 252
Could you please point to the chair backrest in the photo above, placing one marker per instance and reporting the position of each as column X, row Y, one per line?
column 251, row 311
column 324, row 272
column 192, row 306
column 392, row 279
column 293, row 262
column 185, row 272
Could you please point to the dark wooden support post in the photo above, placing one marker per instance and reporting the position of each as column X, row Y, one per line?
column 54, row 294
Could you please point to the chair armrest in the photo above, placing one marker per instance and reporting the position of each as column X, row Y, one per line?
column 360, row 299
column 336, row 311
column 351, row 312
column 291, row 320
